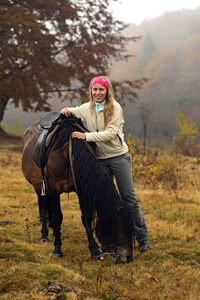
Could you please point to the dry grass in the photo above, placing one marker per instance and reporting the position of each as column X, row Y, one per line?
column 170, row 270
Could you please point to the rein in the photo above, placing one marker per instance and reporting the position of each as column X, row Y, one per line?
column 71, row 162
column 70, row 154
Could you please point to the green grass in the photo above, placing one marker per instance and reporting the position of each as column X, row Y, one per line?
column 170, row 270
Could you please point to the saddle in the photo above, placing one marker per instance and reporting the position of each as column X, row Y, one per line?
column 48, row 125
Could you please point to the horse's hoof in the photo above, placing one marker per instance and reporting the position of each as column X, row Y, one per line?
column 44, row 240
column 98, row 258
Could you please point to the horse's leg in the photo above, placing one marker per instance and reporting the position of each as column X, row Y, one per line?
column 56, row 217
column 92, row 245
column 43, row 208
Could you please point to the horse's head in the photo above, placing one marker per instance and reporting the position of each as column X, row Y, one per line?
column 120, row 243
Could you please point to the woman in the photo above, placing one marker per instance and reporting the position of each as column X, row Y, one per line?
column 104, row 119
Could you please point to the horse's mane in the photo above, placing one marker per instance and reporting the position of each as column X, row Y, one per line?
column 96, row 191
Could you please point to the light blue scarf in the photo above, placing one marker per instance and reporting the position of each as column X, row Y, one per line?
column 98, row 106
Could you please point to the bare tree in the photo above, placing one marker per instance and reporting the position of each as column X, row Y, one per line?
column 145, row 114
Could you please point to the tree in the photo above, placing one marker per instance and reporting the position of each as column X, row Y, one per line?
column 185, row 141
column 145, row 114
column 54, row 46
column 147, row 50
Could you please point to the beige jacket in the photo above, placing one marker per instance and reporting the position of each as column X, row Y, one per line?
column 109, row 141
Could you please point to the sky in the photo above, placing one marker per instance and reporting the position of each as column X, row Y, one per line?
column 136, row 11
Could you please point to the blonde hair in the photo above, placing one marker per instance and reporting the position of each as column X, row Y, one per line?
column 109, row 104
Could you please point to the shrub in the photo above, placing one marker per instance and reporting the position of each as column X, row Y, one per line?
column 157, row 166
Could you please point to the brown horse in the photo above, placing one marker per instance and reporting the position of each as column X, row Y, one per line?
column 96, row 192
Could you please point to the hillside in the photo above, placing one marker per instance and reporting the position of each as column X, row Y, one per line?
column 168, row 53
column 29, row 270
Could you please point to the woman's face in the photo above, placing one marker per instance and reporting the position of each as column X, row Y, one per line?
column 99, row 93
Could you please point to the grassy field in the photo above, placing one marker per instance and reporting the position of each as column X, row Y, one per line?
column 170, row 270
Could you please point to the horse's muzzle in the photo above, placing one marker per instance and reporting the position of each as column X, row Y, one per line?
column 117, row 258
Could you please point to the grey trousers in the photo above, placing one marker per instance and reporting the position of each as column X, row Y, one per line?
column 121, row 168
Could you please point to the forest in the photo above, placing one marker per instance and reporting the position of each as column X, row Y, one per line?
column 168, row 54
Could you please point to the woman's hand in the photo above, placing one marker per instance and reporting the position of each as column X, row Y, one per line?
column 66, row 111
column 79, row 135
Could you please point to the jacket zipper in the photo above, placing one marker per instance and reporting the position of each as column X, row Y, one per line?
column 98, row 131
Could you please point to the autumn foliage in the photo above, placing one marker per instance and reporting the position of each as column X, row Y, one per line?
column 53, row 46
